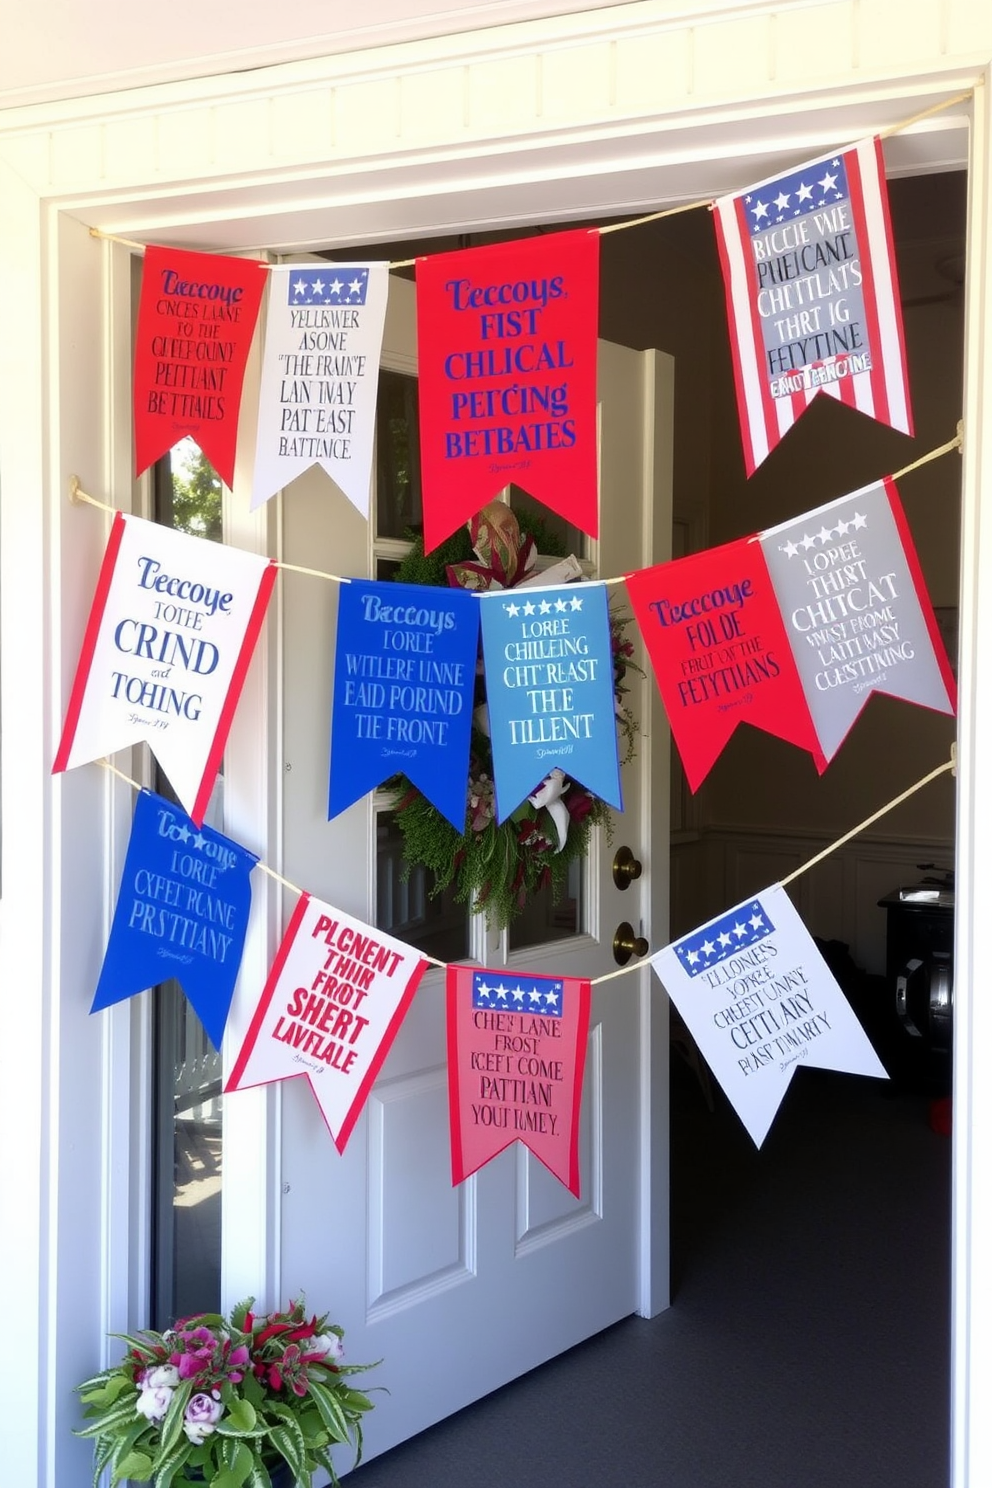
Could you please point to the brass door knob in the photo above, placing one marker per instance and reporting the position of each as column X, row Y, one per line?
column 627, row 944
column 625, row 868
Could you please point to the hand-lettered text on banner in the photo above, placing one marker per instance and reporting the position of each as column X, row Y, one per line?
column 320, row 374
column 170, row 635
column 516, row 1059
column 334, row 1000
column 549, row 689
column 720, row 652
column 507, row 360
column 759, row 1000
column 196, row 320
column 404, row 676
column 812, row 296
column 182, row 911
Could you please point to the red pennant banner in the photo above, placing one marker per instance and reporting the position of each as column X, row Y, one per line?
column 196, row 319
column 516, row 1058
column 720, row 651
column 336, row 995
column 507, row 359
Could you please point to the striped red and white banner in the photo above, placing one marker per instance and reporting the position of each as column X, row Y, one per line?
column 812, row 296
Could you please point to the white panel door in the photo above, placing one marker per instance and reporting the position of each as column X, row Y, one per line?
column 459, row 1290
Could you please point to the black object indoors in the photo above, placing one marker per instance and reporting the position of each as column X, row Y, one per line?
column 919, row 967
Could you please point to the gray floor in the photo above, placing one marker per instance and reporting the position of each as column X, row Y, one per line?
column 807, row 1346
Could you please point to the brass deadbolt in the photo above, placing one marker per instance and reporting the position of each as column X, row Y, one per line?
column 627, row 944
column 625, row 868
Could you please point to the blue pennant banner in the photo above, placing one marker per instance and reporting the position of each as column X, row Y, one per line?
column 182, row 912
column 404, row 678
column 549, row 686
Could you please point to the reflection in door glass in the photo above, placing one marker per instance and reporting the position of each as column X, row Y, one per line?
column 405, row 904
column 187, row 1121
column 187, row 1162
column 542, row 920
column 398, row 506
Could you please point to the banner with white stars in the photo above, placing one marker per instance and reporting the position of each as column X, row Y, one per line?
column 182, row 911
column 333, row 1003
column 196, row 321
column 812, row 297
column 320, row 375
column 516, row 1060
column 759, row 1000
column 857, row 611
column 167, row 646
column 549, row 689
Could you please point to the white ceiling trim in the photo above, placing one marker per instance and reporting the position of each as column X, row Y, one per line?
column 45, row 47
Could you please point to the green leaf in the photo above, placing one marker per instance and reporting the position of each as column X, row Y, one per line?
column 331, row 1412
column 173, row 1424
column 241, row 1465
column 170, row 1462
column 109, row 1420
column 239, row 1314
column 288, row 1442
column 225, row 1479
column 136, row 1465
column 241, row 1414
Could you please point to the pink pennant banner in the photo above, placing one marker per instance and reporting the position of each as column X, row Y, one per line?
column 516, row 1059
column 334, row 1001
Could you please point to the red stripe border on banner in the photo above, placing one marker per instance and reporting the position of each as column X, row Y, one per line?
column 93, row 625
column 922, row 592
column 378, row 1059
column 212, row 763
column 271, row 982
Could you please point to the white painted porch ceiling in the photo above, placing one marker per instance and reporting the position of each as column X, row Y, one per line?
column 56, row 49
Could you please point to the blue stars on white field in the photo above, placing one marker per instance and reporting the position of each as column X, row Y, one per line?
column 807, row 190
column 738, row 929
column 501, row 992
column 329, row 285
column 543, row 607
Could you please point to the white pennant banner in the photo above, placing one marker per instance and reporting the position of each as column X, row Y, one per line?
column 171, row 631
column 320, row 375
column 759, row 1000
column 334, row 1000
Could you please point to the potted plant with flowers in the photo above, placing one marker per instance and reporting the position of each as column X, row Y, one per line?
column 253, row 1401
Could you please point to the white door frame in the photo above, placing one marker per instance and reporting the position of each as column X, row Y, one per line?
column 203, row 163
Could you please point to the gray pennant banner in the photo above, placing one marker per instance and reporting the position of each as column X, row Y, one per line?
column 858, row 621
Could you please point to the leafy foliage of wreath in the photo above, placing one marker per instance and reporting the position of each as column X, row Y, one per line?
column 497, row 868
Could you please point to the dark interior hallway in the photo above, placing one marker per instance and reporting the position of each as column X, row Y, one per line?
column 807, row 1346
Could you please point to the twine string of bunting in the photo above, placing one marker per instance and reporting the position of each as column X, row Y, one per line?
column 609, row 976
column 708, row 202
column 77, row 494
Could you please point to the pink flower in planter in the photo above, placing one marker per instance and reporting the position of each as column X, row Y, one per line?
column 202, row 1415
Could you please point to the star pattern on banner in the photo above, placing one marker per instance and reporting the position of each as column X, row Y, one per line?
column 546, row 607
column 824, row 536
column 328, row 286
column 792, row 196
column 517, row 994
column 735, row 931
